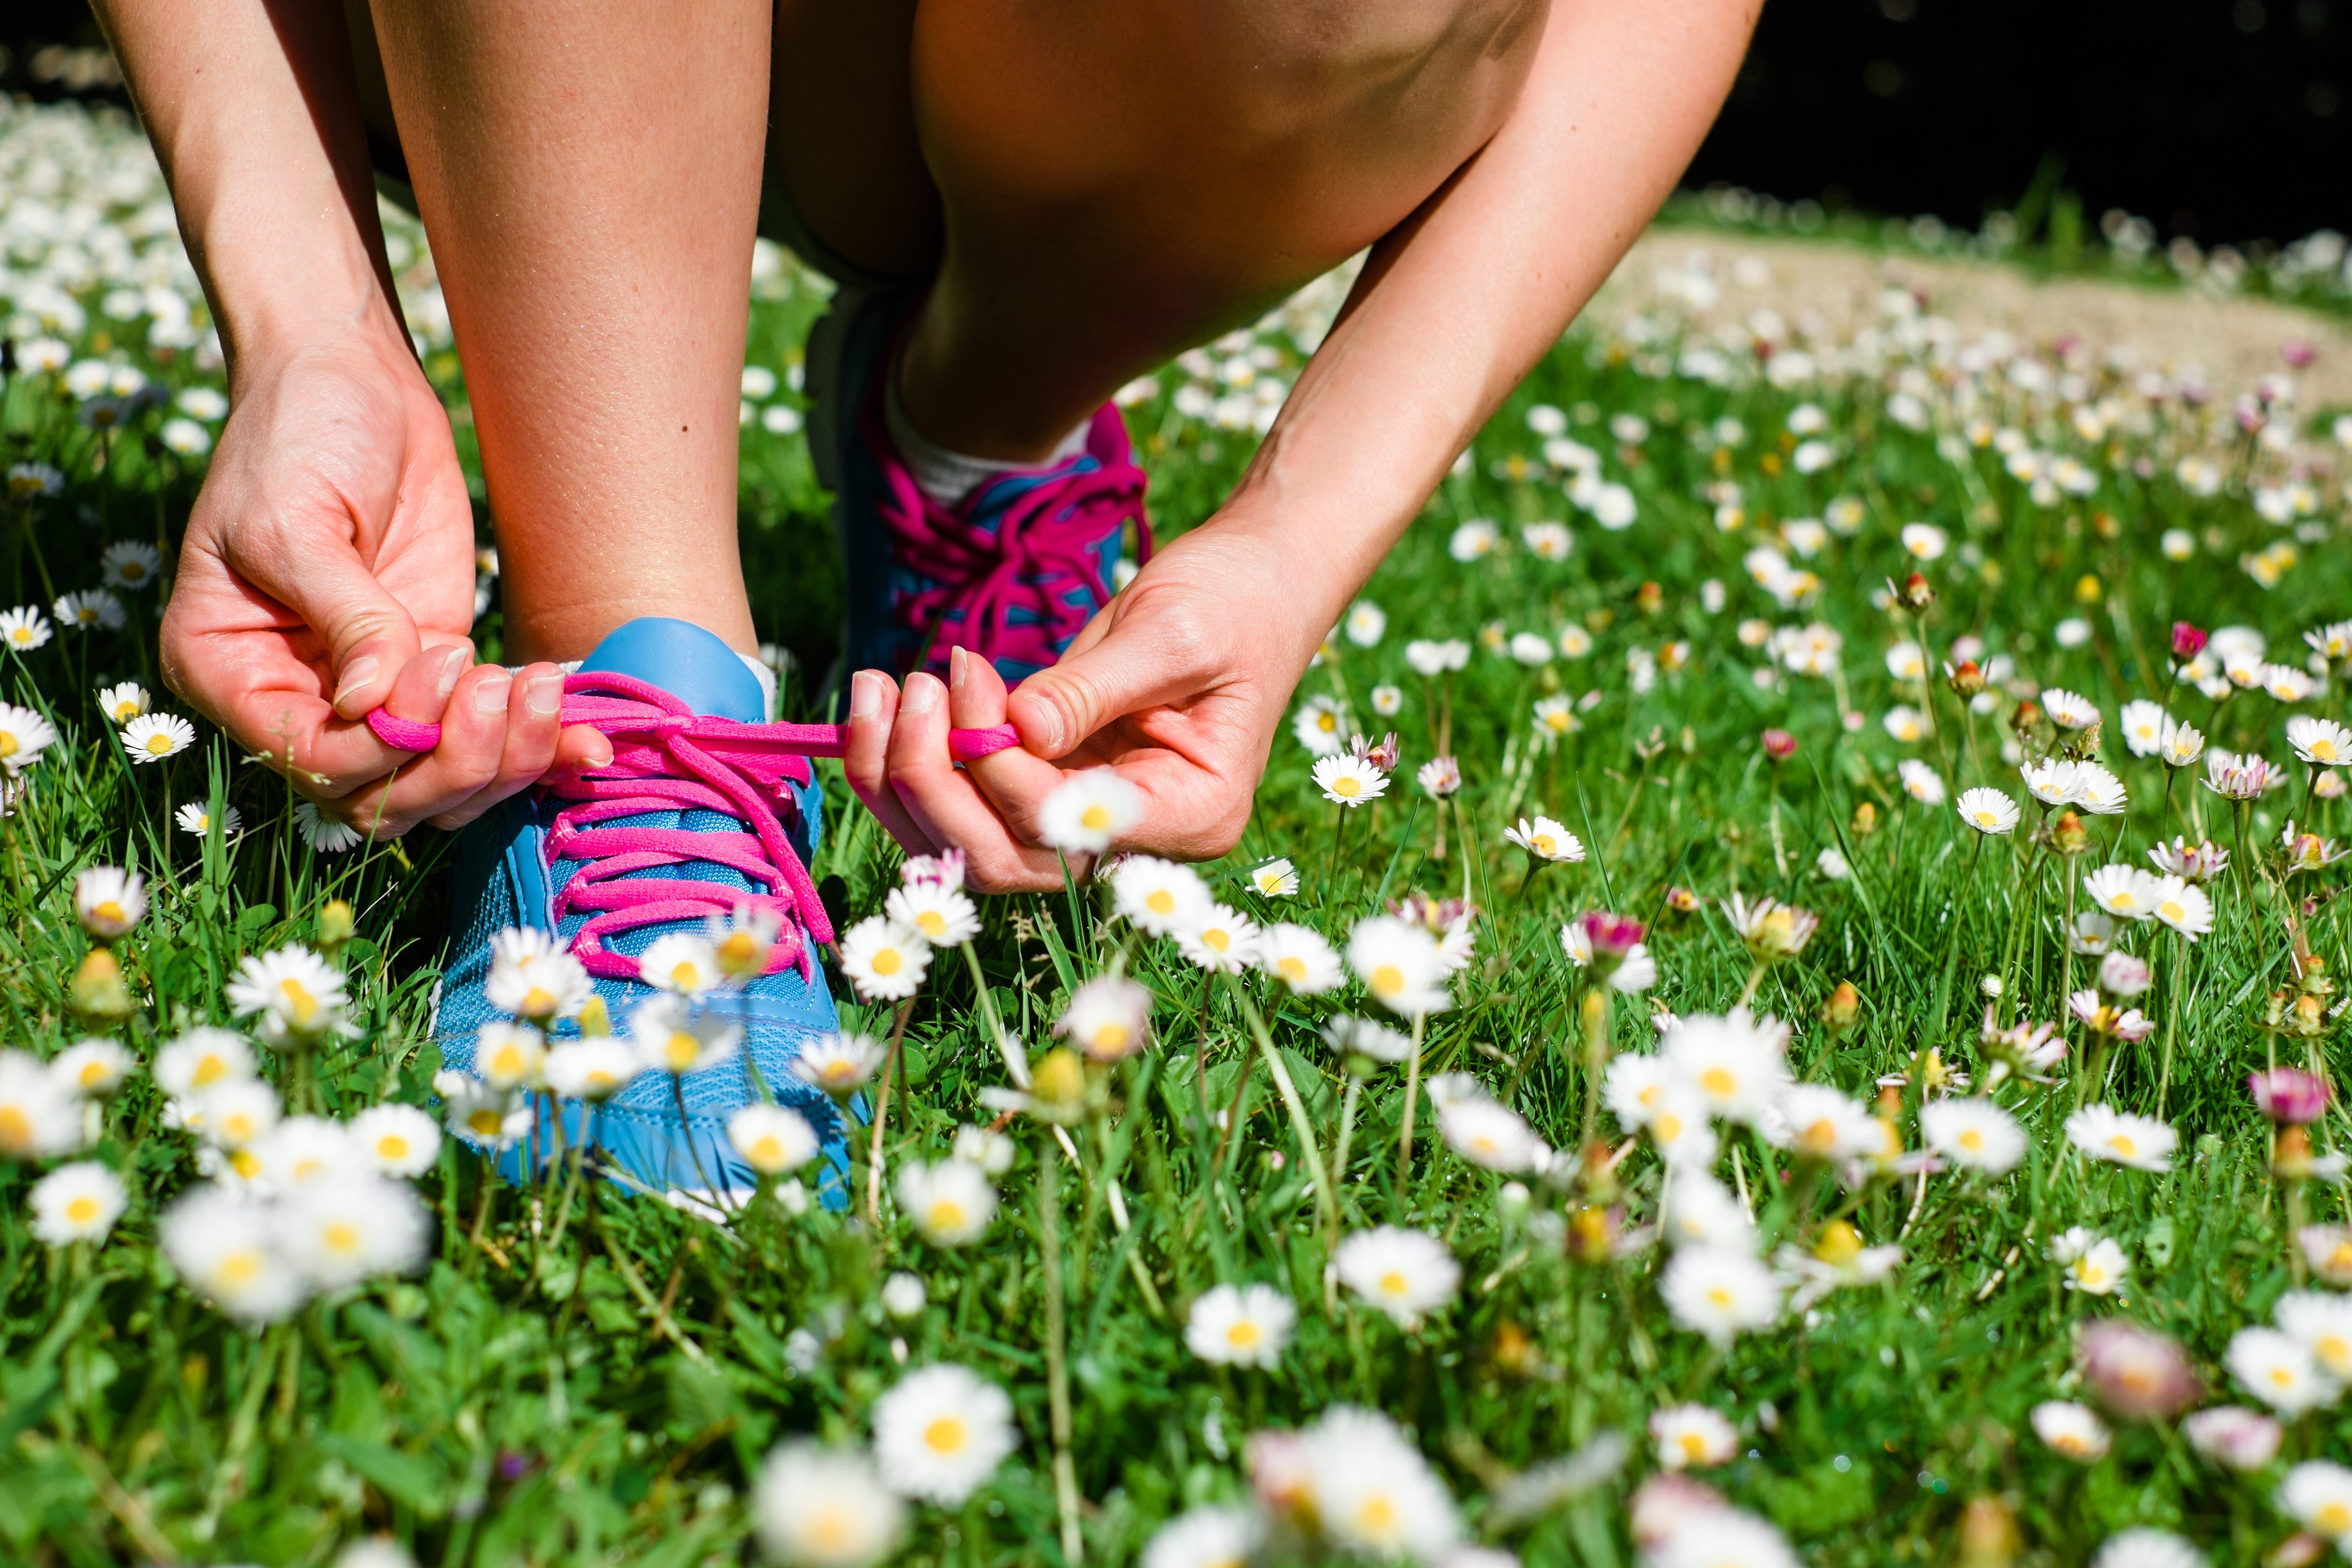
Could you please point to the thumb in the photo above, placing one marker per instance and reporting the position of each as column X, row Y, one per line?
column 369, row 635
column 1130, row 669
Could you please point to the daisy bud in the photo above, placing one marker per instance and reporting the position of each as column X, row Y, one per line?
column 2136, row 1372
column 2288, row 1096
column 2026, row 718
column 1650, row 598
column 595, row 1018
column 98, row 989
column 2291, row 1155
column 1589, row 1235
column 1917, row 592
column 2068, row 836
column 1779, row 745
column 1681, row 900
column 2187, row 642
column 335, row 923
column 1844, row 1006
column 1966, row 679
column 1058, row 1083
column 1865, row 819
column 2121, row 975
column 1988, row 1534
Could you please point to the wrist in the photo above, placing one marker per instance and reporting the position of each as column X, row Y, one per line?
column 281, row 282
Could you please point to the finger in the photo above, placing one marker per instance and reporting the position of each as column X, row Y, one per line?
column 948, row 805
column 534, row 727
column 472, row 742
column 370, row 636
column 1014, row 781
column 421, row 690
column 1139, row 662
column 865, row 758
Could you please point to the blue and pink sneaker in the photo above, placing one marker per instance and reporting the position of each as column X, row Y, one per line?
column 1012, row 572
column 705, row 809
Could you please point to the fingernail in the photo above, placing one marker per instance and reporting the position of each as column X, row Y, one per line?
column 451, row 669
column 865, row 696
column 545, row 696
column 356, row 674
column 491, row 692
column 922, row 694
column 956, row 670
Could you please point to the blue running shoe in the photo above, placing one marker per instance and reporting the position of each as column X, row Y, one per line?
column 705, row 810
column 1012, row 572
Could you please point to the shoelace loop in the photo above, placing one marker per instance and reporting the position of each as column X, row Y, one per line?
column 1039, row 549
column 666, row 757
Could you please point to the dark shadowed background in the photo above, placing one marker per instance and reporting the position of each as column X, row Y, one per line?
column 2223, row 120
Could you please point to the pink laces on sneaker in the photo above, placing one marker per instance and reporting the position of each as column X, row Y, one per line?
column 1033, row 554
column 667, row 757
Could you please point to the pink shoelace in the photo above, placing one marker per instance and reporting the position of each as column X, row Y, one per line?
column 1032, row 556
column 666, row 757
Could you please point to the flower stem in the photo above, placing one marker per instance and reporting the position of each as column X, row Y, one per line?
column 1058, row 1372
column 882, row 1107
column 1412, row 1103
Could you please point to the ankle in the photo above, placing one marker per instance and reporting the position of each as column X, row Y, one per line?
column 946, row 475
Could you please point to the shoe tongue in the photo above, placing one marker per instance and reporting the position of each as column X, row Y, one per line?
column 692, row 664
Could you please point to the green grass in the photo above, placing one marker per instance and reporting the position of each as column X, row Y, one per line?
column 521, row 1403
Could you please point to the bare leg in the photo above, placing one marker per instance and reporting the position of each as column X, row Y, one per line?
column 590, row 173
column 1120, row 182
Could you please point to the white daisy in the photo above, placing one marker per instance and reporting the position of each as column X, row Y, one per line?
column 1636, row 972
column 1087, row 811
column 2180, row 744
column 2099, row 792
column 342, row 1229
column 396, row 1140
column 2070, row 1429
column 593, row 1067
column 772, row 1139
column 1388, row 701
column 1157, row 896
column 1372, row 1492
column 220, row 1242
column 1219, row 940
column 24, row 629
column 1718, row 1292
column 2142, row 1142
column 838, row 1064
column 941, row 1432
column 1349, row 781
column 2125, row 892
column 671, row 1036
column 1277, row 879
column 1401, row 963
column 109, row 901
column 533, row 975
column 295, row 992
column 2146, row 1548
column 945, row 916
column 1545, row 840
column 130, row 563
column 509, row 1056
column 23, row 736
column 1692, row 1435
column 2279, row 1370
column 2233, row 1437
column 1696, row 1210
column 1735, row 1065
column 1403, row 1273
column 489, row 1120
column 2068, row 711
column 92, row 609
column 193, row 818
column 1988, row 811
column 684, row 964
column 1491, row 1135
column 1920, row 782
column 2095, row 1265
column 1240, row 1326
column 1108, row 1017
column 1320, row 727
column 122, row 703
column 2322, row 1321
column 950, row 1204
column 152, row 737
column 1974, row 1134
column 79, row 1202
column 325, row 835
column 200, row 1059
column 1906, row 724
column 93, row 1067
column 818, row 1508
column 2318, row 1495
column 1816, row 1121
column 885, row 961
column 2143, row 723
column 1721, row 1538
column 1206, row 1537
column 1299, row 958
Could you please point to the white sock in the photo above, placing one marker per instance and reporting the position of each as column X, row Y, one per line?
column 948, row 476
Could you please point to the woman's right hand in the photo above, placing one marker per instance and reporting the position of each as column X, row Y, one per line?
column 328, row 570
